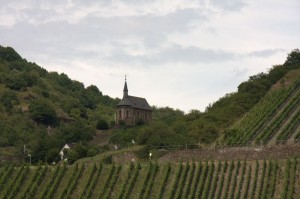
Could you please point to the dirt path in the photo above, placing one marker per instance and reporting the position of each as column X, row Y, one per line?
column 234, row 153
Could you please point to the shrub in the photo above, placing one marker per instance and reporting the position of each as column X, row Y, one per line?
column 102, row 124
column 92, row 152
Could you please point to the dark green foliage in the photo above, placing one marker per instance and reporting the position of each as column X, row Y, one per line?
column 32, row 99
column 159, row 134
column 53, row 155
column 293, row 57
column 124, row 137
column 8, row 99
column 9, row 54
column 92, row 152
column 140, row 122
column 43, row 112
column 167, row 115
column 102, row 124
column 76, row 131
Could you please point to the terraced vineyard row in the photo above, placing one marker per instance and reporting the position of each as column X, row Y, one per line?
column 207, row 179
column 278, row 109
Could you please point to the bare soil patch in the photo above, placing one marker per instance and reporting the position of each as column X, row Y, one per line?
column 234, row 153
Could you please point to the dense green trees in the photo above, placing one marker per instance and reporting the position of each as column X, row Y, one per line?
column 293, row 57
column 9, row 54
column 8, row 98
column 46, row 110
column 42, row 112
column 159, row 134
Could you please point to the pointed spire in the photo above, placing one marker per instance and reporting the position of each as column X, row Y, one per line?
column 125, row 90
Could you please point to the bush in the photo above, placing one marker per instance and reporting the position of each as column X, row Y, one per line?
column 102, row 124
column 140, row 122
column 53, row 155
column 159, row 134
column 72, row 156
column 92, row 152
column 42, row 112
column 124, row 137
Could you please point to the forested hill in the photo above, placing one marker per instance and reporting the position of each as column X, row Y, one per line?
column 44, row 110
column 35, row 103
column 214, row 125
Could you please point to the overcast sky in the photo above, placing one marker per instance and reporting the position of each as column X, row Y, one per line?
column 183, row 54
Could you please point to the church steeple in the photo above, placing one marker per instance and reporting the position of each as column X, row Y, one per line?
column 125, row 90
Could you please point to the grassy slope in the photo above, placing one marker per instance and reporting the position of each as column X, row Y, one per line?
column 244, row 127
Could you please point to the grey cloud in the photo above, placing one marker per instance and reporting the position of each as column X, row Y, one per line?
column 189, row 55
column 178, row 21
column 70, row 38
column 175, row 54
column 229, row 5
column 265, row 53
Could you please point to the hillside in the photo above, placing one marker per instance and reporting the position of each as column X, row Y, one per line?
column 41, row 111
column 44, row 110
column 204, row 179
column 274, row 119
column 265, row 102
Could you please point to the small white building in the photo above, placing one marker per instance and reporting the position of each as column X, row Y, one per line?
column 62, row 151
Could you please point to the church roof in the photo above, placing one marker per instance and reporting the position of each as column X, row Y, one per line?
column 125, row 86
column 132, row 101
column 135, row 102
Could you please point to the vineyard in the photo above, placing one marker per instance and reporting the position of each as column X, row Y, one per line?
column 204, row 179
column 275, row 119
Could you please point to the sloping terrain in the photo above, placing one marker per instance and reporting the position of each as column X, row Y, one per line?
column 274, row 119
column 204, row 179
